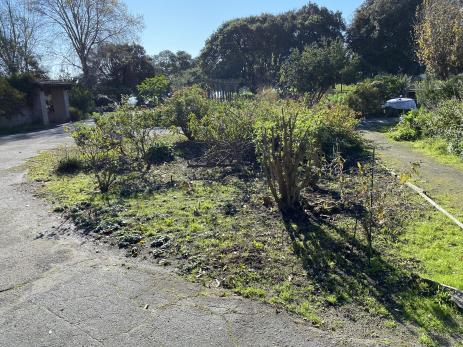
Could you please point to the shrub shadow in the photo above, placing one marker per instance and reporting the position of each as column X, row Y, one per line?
column 341, row 266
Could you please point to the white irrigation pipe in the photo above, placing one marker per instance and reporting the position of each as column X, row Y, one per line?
column 423, row 194
column 457, row 294
column 433, row 203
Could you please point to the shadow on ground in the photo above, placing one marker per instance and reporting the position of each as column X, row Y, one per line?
column 342, row 266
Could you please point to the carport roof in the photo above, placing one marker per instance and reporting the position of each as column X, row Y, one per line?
column 55, row 84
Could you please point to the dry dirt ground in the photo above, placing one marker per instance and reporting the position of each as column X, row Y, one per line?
column 57, row 289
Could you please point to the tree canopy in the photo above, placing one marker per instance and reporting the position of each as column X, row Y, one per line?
column 87, row 25
column 18, row 38
column 381, row 33
column 169, row 63
column 252, row 49
column 154, row 90
column 314, row 69
column 118, row 68
column 439, row 37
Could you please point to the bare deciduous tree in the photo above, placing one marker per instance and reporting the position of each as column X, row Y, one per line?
column 18, row 37
column 88, row 23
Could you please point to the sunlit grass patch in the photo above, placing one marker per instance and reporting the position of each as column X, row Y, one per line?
column 438, row 149
column 437, row 243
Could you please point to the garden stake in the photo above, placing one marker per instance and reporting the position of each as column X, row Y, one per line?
column 370, row 241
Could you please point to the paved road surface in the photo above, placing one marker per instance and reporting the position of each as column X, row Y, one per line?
column 64, row 292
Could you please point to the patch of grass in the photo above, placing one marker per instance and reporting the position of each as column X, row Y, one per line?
column 307, row 312
column 437, row 148
column 426, row 340
column 390, row 324
column 213, row 225
column 434, row 147
column 345, row 87
column 250, row 292
column 437, row 244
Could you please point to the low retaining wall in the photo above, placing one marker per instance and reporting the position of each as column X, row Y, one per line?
column 25, row 117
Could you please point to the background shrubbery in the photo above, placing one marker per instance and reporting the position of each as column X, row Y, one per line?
column 444, row 122
column 440, row 117
column 430, row 92
column 11, row 99
column 286, row 137
column 185, row 104
column 369, row 96
column 81, row 101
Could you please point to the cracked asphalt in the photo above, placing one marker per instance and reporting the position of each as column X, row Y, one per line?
column 63, row 291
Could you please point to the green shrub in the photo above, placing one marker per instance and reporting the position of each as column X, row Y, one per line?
column 227, row 131
column 430, row 92
column 75, row 114
column 99, row 150
column 11, row 99
column 405, row 132
column 365, row 99
column 447, row 123
column 81, row 99
column 412, row 126
column 334, row 127
column 159, row 153
column 154, row 90
column 442, row 122
column 186, row 104
column 118, row 143
column 134, row 130
column 369, row 96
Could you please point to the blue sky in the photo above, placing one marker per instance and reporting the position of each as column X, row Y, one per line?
column 186, row 24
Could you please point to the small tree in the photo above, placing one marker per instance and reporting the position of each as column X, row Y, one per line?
column 439, row 36
column 289, row 157
column 155, row 89
column 118, row 143
column 228, row 132
column 99, row 149
column 314, row 70
column 135, row 129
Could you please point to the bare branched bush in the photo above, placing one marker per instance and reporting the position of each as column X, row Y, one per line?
column 290, row 158
column 227, row 132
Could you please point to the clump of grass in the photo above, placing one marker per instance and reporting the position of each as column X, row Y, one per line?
column 438, row 149
column 250, row 292
column 69, row 165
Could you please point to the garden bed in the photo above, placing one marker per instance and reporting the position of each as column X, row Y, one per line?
column 221, row 228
